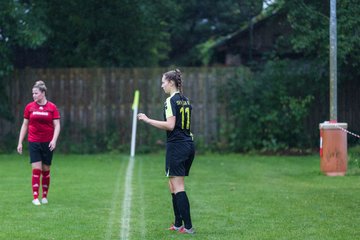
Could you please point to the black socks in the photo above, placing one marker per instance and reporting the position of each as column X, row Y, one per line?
column 183, row 206
column 178, row 219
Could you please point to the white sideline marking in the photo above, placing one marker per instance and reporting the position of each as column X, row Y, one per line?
column 114, row 201
column 126, row 207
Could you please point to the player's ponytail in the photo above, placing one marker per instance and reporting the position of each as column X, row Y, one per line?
column 178, row 81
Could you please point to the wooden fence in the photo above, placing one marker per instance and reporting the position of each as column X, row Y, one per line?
column 91, row 100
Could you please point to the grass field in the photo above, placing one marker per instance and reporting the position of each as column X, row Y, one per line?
column 232, row 197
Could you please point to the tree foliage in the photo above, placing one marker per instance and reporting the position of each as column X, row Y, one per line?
column 78, row 33
column 107, row 33
column 310, row 22
column 148, row 33
column 21, row 24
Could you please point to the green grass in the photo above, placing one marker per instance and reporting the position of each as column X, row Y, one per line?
column 232, row 197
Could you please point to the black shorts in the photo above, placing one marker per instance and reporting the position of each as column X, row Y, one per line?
column 40, row 152
column 179, row 157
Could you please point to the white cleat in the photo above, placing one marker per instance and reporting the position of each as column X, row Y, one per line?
column 44, row 201
column 36, row 202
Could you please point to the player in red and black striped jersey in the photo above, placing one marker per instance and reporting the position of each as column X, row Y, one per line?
column 180, row 150
column 42, row 124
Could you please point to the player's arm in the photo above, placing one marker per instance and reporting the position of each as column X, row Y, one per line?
column 167, row 125
column 23, row 131
column 52, row 144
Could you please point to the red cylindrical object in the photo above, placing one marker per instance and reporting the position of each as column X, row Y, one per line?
column 333, row 151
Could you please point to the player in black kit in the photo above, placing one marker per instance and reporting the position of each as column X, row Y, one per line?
column 180, row 150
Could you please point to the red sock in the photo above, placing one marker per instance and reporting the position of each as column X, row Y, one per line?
column 45, row 183
column 35, row 180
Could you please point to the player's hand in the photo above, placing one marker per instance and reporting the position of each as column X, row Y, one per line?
column 142, row 117
column 52, row 145
column 19, row 148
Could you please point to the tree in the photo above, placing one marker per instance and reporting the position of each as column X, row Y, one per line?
column 107, row 33
column 21, row 24
column 135, row 33
column 310, row 22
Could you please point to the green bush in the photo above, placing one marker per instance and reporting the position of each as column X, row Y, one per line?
column 267, row 110
column 354, row 160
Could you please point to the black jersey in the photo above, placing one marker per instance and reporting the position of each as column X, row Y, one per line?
column 180, row 107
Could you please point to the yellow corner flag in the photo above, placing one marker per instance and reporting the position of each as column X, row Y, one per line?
column 136, row 100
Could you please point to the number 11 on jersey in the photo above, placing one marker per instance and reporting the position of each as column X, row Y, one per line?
column 185, row 116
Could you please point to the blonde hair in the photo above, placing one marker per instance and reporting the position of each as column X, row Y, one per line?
column 40, row 85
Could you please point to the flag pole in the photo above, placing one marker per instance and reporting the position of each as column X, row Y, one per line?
column 134, row 123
